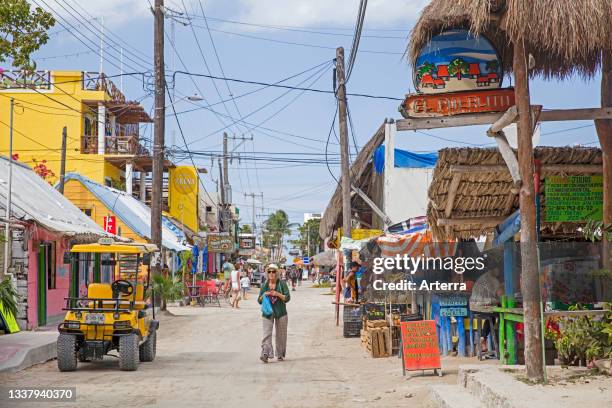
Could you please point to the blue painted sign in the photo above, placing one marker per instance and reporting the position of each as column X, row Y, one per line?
column 306, row 260
column 455, row 61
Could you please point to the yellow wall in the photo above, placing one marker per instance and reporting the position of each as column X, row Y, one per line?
column 183, row 188
column 38, row 120
column 80, row 196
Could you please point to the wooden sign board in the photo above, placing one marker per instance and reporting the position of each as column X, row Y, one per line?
column 573, row 198
column 457, row 60
column 220, row 243
column 456, row 103
column 420, row 349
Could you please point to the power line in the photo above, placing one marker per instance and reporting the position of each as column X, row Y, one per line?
column 302, row 30
column 243, row 81
column 356, row 37
column 293, row 43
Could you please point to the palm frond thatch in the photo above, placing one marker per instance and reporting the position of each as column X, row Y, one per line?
column 564, row 36
column 489, row 194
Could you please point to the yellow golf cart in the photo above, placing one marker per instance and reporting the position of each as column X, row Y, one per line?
column 112, row 316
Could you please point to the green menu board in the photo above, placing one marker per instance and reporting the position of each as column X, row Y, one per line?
column 573, row 198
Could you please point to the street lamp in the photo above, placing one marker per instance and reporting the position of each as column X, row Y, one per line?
column 191, row 98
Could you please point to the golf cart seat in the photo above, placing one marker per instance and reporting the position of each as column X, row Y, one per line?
column 139, row 304
column 100, row 291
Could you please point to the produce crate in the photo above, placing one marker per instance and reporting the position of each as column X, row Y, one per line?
column 376, row 341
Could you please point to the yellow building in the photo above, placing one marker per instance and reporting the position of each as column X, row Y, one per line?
column 102, row 127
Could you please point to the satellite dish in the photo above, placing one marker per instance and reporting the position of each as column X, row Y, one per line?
column 511, row 134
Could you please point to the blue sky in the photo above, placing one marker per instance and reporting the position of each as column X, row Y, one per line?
column 295, row 118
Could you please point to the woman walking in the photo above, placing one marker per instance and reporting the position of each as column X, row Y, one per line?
column 278, row 294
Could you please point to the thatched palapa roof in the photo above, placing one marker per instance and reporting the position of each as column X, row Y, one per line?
column 564, row 36
column 333, row 212
column 478, row 185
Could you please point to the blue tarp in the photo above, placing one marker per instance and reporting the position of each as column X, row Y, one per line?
column 404, row 159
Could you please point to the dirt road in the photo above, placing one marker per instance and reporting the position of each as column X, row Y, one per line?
column 209, row 357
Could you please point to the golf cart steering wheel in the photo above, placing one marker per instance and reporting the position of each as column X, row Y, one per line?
column 122, row 286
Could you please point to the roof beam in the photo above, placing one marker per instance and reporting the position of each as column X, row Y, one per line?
column 471, row 119
column 488, row 221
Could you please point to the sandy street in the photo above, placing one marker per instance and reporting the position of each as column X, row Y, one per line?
column 209, row 357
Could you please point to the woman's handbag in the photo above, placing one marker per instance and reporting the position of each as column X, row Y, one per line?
column 266, row 307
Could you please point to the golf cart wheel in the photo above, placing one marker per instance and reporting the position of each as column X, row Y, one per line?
column 149, row 347
column 66, row 352
column 128, row 352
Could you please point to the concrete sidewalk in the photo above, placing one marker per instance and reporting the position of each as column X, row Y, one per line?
column 24, row 349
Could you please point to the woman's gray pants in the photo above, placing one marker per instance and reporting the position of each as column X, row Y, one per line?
column 281, row 336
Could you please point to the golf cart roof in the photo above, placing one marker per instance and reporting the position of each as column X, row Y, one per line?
column 115, row 247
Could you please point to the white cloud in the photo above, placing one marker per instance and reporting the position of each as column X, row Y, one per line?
column 312, row 13
column 114, row 12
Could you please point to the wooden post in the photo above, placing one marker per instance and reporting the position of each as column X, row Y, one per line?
column 159, row 125
column 530, row 282
column 604, row 132
column 344, row 151
column 63, row 161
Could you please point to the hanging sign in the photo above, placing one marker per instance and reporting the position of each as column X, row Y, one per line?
column 453, row 305
column 220, row 243
column 455, row 103
column 420, row 345
column 246, row 244
column 573, row 198
column 457, row 60
column 110, row 224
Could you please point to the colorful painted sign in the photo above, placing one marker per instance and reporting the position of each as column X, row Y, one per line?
column 246, row 245
column 220, row 243
column 457, row 60
column 183, row 195
column 420, row 345
column 573, row 198
column 455, row 103
column 110, row 224
column 453, row 305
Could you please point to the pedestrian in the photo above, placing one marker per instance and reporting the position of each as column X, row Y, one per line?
column 294, row 278
column 278, row 294
column 245, row 283
column 227, row 275
column 235, row 278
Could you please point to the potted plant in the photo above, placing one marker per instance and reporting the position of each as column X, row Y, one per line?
column 167, row 289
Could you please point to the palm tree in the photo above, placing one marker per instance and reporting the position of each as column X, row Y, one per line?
column 426, row 68
column 458, row 67
column 277, row 226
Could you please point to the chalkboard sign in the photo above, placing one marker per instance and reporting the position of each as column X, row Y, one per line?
column 420, row 346
column 573, row 198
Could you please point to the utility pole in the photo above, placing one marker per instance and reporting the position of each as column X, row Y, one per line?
column 7, row 227
column 225, row 169
column 159, row 123
column 344, row 153
column 63, row 162
column 101, row 47
column 530, row 281
column 253, row 195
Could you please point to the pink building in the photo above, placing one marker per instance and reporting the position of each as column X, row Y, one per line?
column 44, row 225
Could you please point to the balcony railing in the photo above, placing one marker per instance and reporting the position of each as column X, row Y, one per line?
column 95, row 81
column 22, row 79
column 128, row 144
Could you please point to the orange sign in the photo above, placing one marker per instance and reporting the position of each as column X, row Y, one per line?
column 456, row 103
column 420, row 345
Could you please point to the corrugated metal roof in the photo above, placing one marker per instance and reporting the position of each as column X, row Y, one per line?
column 134, row 213
column 33, row 199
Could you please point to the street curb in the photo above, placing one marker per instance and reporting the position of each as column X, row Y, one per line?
column 28, row 355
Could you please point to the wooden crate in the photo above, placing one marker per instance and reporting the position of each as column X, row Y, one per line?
column 376, row 341
column 373, row 324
